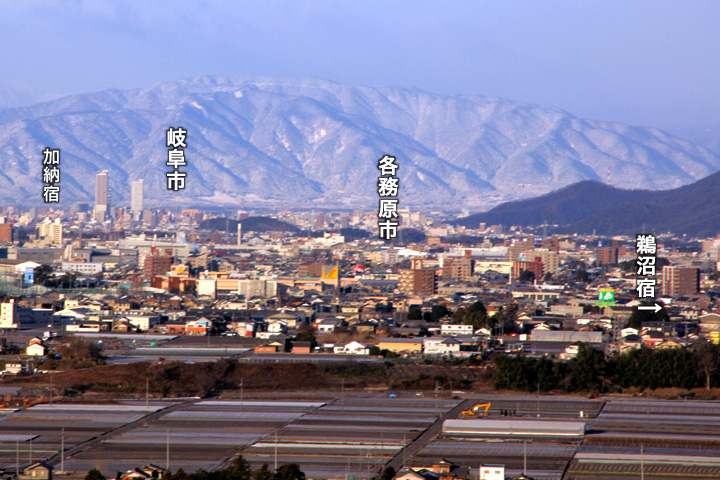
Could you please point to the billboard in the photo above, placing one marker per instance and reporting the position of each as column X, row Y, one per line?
column 606, row 296
column 329, row 272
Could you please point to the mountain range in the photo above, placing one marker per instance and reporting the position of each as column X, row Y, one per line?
column 10, row 97
column 589, row 206
column 312, row 143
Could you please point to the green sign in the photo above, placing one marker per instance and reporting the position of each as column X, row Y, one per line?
column 606, row 296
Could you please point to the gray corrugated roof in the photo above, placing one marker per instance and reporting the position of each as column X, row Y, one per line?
column 515, row 427
column 566, row 336
column 400, row 340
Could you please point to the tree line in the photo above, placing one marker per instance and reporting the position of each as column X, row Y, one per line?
column 475, row 314
column 590, row 371
column 239, row 469
column 43, row 275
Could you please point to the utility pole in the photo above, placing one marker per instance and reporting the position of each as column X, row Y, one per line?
column 276, row 451
column 524, row 457
column 642, row 464
column 369, row 466
column 380, row 452
column 167, row 450
column 147, row 390
column 62, row 451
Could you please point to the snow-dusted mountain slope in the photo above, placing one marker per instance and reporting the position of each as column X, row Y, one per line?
column 312, row 142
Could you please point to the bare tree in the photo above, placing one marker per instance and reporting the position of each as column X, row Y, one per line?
column 708, row 358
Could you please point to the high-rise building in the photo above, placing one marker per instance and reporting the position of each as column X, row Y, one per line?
column 150, row 217
column 156, row 265
column 417, row 280
column 458, row 268
column 6, row 232
column 549, row 260
column 607, row 255
column 536, row 267
column 101, row 196
column 678, row 281
column 136, row 198
column 51, row 230
column 521, row 250
column 13, row 315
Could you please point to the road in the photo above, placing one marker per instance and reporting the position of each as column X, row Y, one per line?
column 430, row 433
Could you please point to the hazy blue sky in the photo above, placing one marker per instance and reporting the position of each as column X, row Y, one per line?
column 640, row 62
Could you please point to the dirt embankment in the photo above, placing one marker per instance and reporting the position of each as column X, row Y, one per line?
column 173, row 379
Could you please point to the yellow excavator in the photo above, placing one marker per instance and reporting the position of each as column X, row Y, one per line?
column 476, row 410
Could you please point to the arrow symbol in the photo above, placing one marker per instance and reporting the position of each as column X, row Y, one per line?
column 655, row 308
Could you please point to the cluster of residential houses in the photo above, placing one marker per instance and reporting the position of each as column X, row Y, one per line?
column 441, row 470
column 540, row 329
column 44, row 471
column 446, row 470
column 372, row 309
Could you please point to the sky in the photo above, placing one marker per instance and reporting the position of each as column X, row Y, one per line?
column 650, row 63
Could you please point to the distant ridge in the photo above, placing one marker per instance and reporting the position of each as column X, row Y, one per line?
column 591, row 206
column 267, row 142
